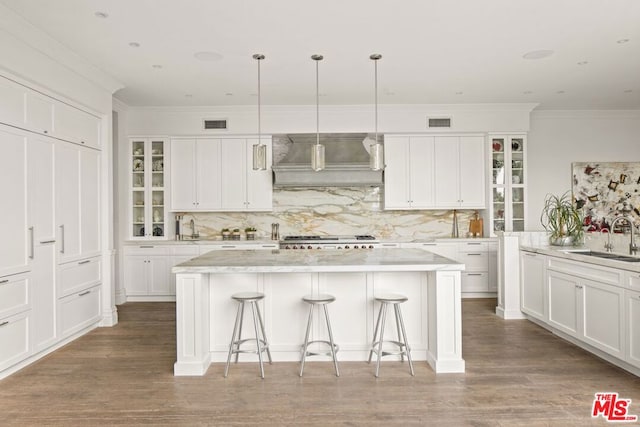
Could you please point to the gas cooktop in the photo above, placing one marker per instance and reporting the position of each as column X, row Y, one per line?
column 358, row 241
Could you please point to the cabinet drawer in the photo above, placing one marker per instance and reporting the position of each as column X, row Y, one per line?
column 79, row 310
column 186, row 251
column 474, row 261
column 14, row 294
column 79, row 275
column 587, row 271
column 475, row 282
column 473, row 247
column 14, row 336
column 634, row 281
column 149, row 250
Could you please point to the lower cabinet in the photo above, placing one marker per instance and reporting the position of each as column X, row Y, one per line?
column 14, row 336
column 632, row 321
column 79, row 310
column 533, row 285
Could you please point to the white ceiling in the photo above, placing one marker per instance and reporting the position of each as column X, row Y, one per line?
column 434, row 51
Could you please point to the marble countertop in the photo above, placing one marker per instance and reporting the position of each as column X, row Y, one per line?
column 574, row 253
column 218, row 241
column 329, row 260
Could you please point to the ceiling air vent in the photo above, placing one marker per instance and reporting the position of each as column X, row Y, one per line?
column 215, row 124
column 439, row 122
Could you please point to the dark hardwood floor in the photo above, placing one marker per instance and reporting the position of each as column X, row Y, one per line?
column 517, row 374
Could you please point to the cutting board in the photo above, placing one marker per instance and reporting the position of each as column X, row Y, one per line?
column 476, row 226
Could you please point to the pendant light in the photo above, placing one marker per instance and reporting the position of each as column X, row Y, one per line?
column 317, row 151
column 259, row 149
column 376, row 151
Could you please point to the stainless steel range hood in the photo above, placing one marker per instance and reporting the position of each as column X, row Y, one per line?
column 346, row 156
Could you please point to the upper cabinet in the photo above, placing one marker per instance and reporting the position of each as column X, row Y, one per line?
column 434, row 172
column 217, row 175
column 459, row 172
column 508, row 182
column 28, row 109
column 409, row 172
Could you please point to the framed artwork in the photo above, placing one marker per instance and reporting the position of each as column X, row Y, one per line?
column 605, row 190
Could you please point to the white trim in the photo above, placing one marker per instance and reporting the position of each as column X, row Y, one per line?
column 585, row 114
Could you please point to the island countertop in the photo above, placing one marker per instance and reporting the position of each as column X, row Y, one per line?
column 326, row 260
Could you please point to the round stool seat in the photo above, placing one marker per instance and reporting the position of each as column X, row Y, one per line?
column 391, row 298
column 248, row 296
column 319, row 299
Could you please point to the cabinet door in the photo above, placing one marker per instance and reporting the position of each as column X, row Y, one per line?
column 472, row 177
column 74, row 125
column 39, row 112
column 493, row 267
column 533, row 285
column 40, row 188
column 208, row 174
column 447, row 172
column 183, row 175
column 43, row 297
column 603, row 317
column 67, row 184
column 234, row 174
column 421, row 173
column 12, row 103
column 396, row 172
column 89, row 202
column 157, row 271
column 633, row 327
column 563, row 302
column 14, row 250
column 135, row 277
column 260, row 182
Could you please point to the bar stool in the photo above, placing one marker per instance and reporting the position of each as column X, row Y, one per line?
column 313, row 301
column 261, row 342
column 403, row 346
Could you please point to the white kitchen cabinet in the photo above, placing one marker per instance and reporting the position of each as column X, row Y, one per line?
column 16, row 237
column 195, row 175
column 632, row 322
column 147, row 271
column 14, row 294
column 409, row 177
column 12, row 103
column 507, row 205
column 603, row 317
column 77, row 126
column 39, row 113
column 492, row 248
column 563, row 302
column 77, row 189
column 459, row 172
column 79, row 311
column 14, row 336
column 148, row 196
column 533, row 284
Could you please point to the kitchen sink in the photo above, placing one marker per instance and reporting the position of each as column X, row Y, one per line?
column 605, row 255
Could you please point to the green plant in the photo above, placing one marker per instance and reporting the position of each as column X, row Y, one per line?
column 562, row 219
column 225, row 230
column 250, row 230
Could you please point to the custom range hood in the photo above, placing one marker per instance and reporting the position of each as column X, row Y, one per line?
column 346, row 157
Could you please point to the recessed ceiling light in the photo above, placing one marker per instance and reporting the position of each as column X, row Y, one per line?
column 527, row 92
column 101, row 15
column 560, row 92
column 538, row 54
column 207, row 56
column 583, row 62
column 134, row 44
column 228, row 94
column 188, row 95
column 622, row 41
column 459, row 93
column 157, row 66
column 628, row 91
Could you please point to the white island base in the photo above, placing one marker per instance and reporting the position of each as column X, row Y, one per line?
column 206, row 312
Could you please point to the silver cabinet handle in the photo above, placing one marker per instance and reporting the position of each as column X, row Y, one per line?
column 528, row 254
column 42, row 242
column 474, row 274
column 146, row 247
column 579, row 286
column 474, row 254
column 84, row 293
column 31, row 248
column 474, row 243
column 6, row 322
column 2, row 282
column 87, row 261
column 229, row 246
column 62, row 239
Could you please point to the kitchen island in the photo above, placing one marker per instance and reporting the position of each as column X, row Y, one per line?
column 205, row 311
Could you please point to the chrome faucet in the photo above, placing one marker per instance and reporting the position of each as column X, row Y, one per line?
column 633, row 247
column 194, row 233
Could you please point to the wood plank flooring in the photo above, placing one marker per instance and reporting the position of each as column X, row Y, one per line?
column 517, row 374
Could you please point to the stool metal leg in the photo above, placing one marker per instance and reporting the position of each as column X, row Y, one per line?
column 255, row 326
column 240, row 331
column 264, row 335
column 333, row 348
column 400, row 340
column 306, row 339
column 406, row 342
column 375, row 332
column 384, row 318
column 233, row 340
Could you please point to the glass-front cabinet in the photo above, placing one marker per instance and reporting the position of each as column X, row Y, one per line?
column 148, row 199
column 508, row 182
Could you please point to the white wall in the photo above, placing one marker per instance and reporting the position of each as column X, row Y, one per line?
column 558, row 138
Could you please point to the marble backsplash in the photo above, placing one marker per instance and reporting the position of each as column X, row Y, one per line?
column 333, row 211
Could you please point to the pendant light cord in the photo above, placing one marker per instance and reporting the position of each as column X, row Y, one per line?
column 317, row 105
column 376, row 95
column 259, row 124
